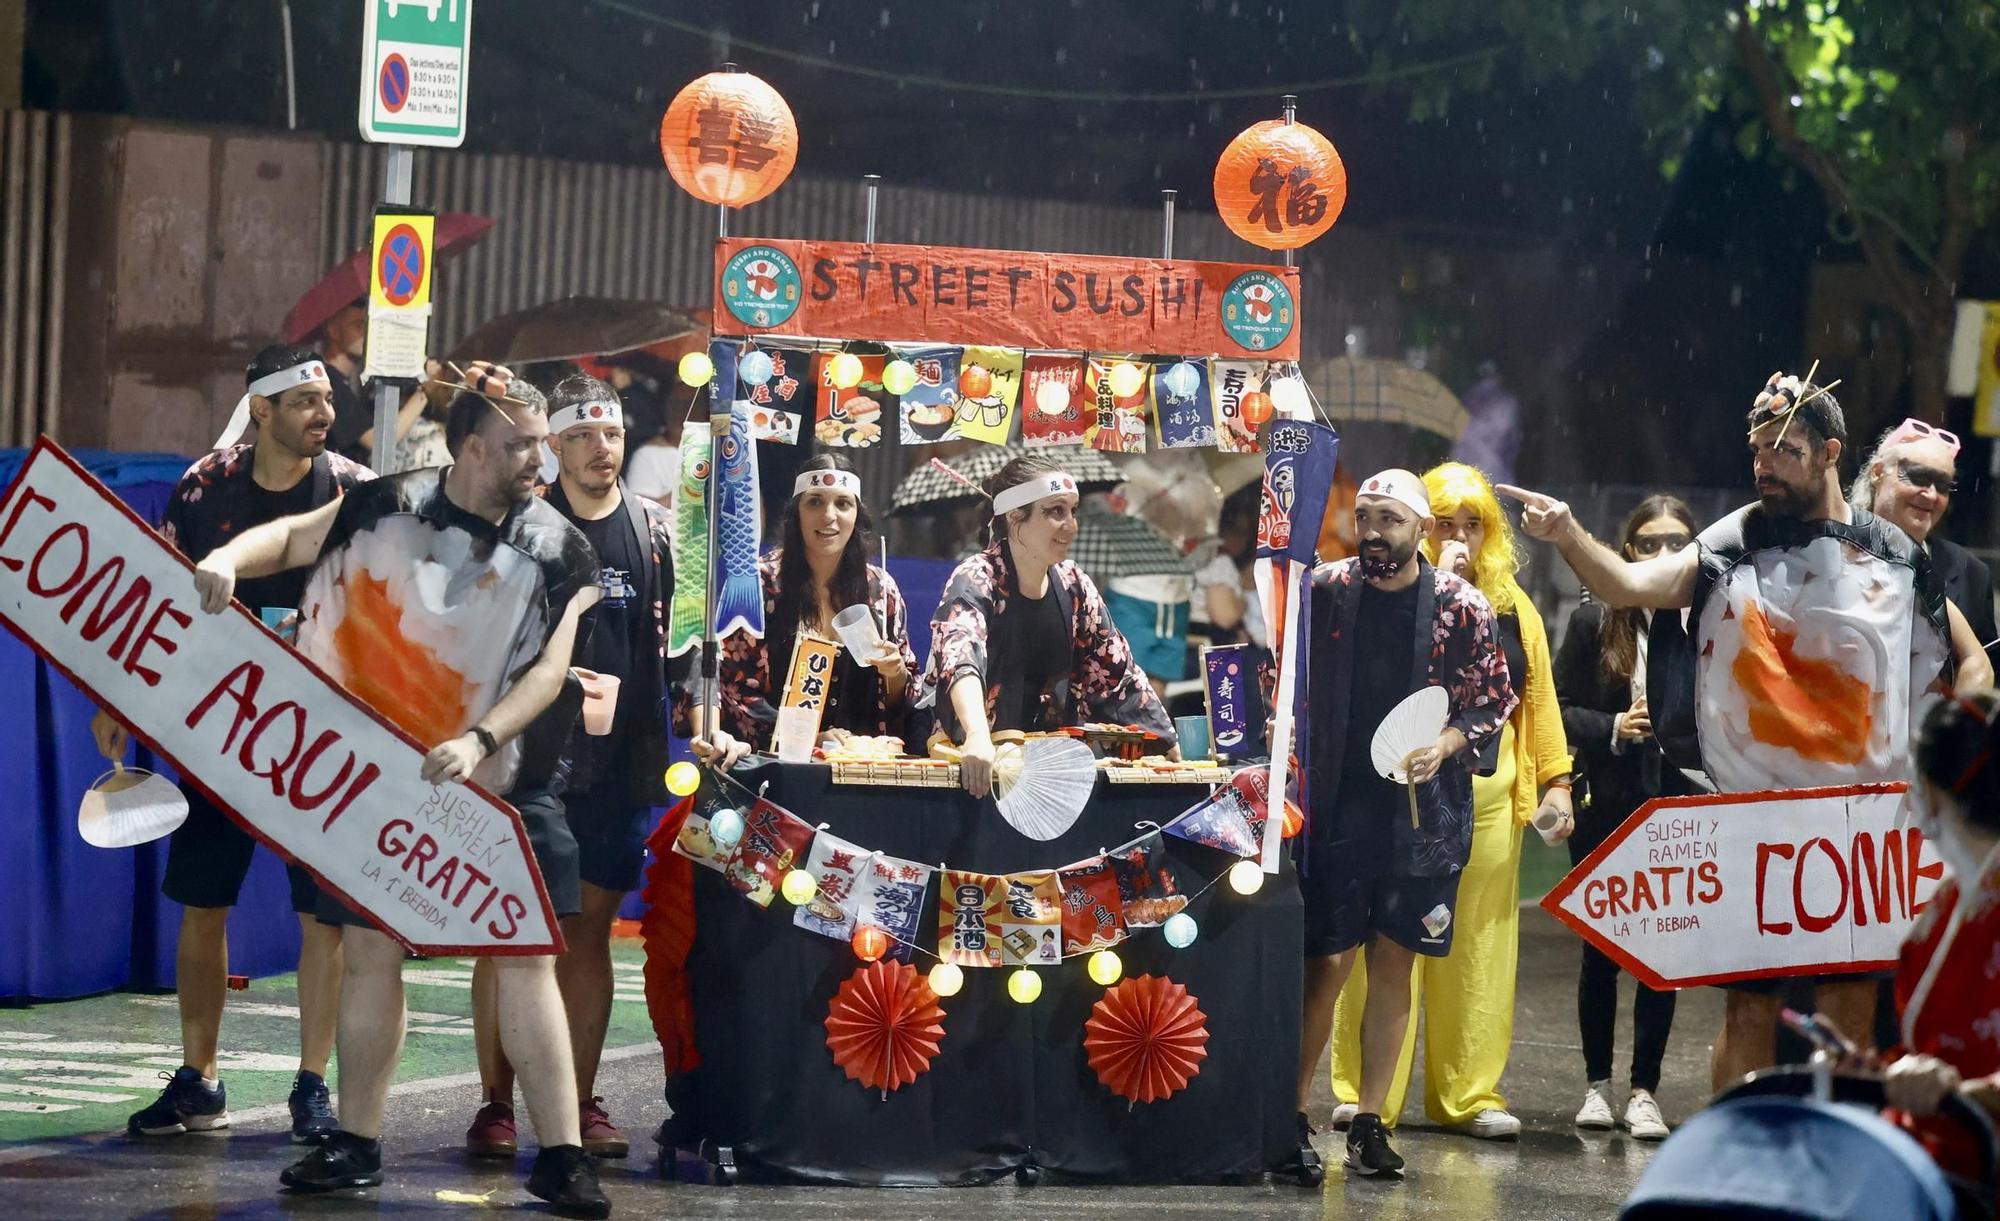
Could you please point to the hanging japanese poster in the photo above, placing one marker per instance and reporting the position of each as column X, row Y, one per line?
column 929, row 409
column 837, row 867
column 1093, row 911
column 774, row 839
column 989, row 387
column 1053, row 410
column 1183, row 411
column 969, row 915
column 1031, row 920
column 890, row 896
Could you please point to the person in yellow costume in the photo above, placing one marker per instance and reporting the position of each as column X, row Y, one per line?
column 1467, row 997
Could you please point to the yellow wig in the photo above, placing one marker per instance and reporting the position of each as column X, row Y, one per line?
column 1453, row 486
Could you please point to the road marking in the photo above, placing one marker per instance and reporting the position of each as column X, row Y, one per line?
column 43, row 1091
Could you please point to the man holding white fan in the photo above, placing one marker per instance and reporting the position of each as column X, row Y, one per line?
column 1380, row 858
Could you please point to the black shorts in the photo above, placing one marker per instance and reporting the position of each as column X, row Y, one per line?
column 610, row 838
column 548, row 836
column 1351, row 896
column 208, row 857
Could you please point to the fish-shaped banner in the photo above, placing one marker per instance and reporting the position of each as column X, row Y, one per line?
column 739, row 598
column 690, row 601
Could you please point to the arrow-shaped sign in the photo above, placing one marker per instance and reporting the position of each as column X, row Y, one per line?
column 289, row 754
column 1719, row 887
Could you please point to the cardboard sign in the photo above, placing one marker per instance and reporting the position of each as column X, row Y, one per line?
column 805, row 694
column 266, row 735
column 1718, row 887
column 1009, row 298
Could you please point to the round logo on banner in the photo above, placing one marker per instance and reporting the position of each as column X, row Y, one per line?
column 760, row 286
column 1257, row 310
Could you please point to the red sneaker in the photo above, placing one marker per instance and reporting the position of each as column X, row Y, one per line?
column 492, row 1132
column 600, row 1138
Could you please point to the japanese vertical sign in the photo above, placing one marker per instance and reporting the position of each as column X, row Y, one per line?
column 1235, row 701
column 805, row 694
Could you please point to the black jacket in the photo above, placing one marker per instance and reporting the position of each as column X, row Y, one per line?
column 1969, row 584
column 1611, row 784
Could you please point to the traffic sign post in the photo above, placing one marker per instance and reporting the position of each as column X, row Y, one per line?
column 415, row 65
column 399, row 309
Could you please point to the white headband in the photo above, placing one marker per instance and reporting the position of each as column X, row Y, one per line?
column 1055, row 483
column 827, row 481
column 1400, row 486
column 271, row 385
column 596, row 411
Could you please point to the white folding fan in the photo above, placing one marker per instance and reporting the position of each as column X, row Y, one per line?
column 1042, row 786
column 126, row 807
column 1410, row 727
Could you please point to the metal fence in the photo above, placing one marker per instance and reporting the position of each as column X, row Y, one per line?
column 34, row 237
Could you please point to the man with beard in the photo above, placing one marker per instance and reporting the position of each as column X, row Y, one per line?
column 286, row 469
column 613, row 780
column 449, row 600
column 1380, row 863
column 1819, row 628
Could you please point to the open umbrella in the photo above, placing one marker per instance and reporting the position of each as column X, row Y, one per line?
column 927, row 487
column 1110, row 545
column 348, row 282
column 1359, row 389
column 574, row 328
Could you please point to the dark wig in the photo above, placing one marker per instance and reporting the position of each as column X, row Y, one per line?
column 849, row 586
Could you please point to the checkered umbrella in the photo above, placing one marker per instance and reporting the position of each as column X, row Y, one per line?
column 1110, row 545
column 1388, row 392
column 928, row 487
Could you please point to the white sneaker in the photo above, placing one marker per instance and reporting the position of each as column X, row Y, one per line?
column 1343, row 1116
column 1493, row 1124
column 1596, row 1113
column 1642, row 1116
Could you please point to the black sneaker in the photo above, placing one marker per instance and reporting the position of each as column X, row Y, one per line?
column 343, row 1161
column 312, row 1110
column 1368, row 1150
column 1306, row 1131
column 566, row 1177
column 186, row 1105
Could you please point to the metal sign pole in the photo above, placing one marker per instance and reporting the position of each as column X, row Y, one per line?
column 396, row 171
column 873, row 185
column 1167, row 222
column 711, row 645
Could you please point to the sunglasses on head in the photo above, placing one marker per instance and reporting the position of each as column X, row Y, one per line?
column 1653, row 544
column 1918, row 476
column 1916, row 430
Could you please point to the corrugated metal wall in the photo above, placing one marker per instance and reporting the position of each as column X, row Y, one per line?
column 34, row 235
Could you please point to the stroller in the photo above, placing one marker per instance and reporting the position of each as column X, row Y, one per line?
column 1800, row 1142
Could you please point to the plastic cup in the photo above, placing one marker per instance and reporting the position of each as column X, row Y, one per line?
column 600, row 700
column 1192, row 733
column 1547, row 824
column 856, row 628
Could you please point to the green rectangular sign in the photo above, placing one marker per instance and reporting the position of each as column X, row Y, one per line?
column 415, row 68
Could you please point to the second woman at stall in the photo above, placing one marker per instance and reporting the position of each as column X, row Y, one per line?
column 1022, row 639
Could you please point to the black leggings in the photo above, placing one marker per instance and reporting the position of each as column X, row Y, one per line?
column 1597, row 1019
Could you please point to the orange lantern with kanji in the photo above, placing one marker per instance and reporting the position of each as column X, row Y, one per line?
column 728, row 138
column 1279, row 185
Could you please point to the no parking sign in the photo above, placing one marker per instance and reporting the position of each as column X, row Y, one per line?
column 399, row 294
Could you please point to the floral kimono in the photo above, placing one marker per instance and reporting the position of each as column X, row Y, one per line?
column 1105, row 685
column 1457, row 648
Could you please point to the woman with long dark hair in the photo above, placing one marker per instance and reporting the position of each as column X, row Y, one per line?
column 1600, row 676
column 818, row 569
column 1022, row 639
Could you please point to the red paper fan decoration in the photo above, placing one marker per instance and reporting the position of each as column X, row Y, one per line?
column 1146, row 1038
column 884, row 1025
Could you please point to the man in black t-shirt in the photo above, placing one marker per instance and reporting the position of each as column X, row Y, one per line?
column 614, row 780
column 288, row 469
column 401, row 568
column 1379, row 863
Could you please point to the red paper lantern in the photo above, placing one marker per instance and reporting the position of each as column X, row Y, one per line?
column 1280, row 185
column 1146, row 1038
column 1257, row 408
column 869, row 942
column 729, row 138
column 884, row 1025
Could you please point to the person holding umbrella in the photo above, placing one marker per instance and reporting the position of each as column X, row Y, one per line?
column 1022, row 640
column 818, row 569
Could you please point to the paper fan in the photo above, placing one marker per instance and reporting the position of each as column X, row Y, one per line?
column 883, row 1026
column 1042, row 787
column 1146, row 1038
column 126, row 807
column 1410, row 727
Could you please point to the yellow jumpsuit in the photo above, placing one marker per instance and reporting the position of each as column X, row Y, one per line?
column 1467, row 997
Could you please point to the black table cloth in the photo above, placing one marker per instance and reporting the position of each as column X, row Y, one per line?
column 1011, row 1086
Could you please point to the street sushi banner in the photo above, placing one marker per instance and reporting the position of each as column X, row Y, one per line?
column 283, row 749
column 1005, row 298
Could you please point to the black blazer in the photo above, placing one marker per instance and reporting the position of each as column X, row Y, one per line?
column 1612, row 784
column 1969, row 584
